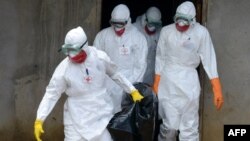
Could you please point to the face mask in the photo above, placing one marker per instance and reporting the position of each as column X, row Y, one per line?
column 150, row 30
column 181, row 28
column 182, row 23
column 151, row 27
column 78, row 58
column 119, row 31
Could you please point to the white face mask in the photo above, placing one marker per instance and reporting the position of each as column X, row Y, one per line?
column 72, row 54
column 182, row 22
column 151, row 28
column 118, row 28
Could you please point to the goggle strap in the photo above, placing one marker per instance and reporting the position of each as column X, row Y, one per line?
column 83, row 44
column 60, row 49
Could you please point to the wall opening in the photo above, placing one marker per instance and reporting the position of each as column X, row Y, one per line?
column 138, row 7
column 168, row 9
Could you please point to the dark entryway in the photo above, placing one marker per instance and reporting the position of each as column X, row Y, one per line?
column 167, row 8
column 138, row 7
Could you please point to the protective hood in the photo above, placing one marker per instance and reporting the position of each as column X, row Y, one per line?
column 153, row 14
column 75, row 45
column 76, row 38
column 186, row 9
column 120, row 13
column 185, row 16
column 120, row 19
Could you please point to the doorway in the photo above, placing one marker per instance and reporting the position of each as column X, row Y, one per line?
column 168, row 9
column 138, row 7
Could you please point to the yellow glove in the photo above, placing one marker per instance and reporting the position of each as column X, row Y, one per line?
column 156, row 83
column 38, row 129
column 218, row 97
column 136, row 96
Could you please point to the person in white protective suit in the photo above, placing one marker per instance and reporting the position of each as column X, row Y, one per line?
column 81, row 75
column 149, row 24
column 126, row 46
column 181, row 48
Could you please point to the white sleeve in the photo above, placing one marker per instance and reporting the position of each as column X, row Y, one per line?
column 207, row 55
column 140, row 58
column 159, row 59
column 55, row 88
column 99, row 41
column 112, row 72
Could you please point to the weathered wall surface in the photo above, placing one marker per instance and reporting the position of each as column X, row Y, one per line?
column 31, row 32
column 228, row 23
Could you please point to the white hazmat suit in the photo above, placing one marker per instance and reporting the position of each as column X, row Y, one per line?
column 178, row 55
column 149, row 24
column 128, row 50
column 87, row 110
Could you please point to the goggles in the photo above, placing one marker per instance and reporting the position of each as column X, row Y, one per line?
column 153, row 23
column 71, row 49
column 118, row 24
column 183, row 18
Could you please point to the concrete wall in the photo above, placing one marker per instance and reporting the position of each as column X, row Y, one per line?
column 228, row 23
column 33, row 30
column 31, row 33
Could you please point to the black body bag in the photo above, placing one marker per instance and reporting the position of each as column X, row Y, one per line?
column 136, row 121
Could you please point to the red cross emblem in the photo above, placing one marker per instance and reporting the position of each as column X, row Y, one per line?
column 88, row 79
column 125, row 50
